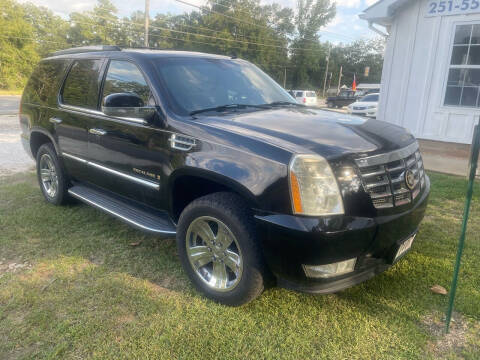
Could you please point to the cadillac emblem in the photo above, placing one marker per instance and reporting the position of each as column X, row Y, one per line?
column 409, row 179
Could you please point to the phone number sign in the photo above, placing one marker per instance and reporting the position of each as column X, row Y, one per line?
column 452, row 7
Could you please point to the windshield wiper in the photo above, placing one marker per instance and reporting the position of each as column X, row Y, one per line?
column 226, row 107
column 282, row 103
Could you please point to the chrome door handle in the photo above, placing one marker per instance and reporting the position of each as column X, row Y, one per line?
column 55, row 120
column 99, row 132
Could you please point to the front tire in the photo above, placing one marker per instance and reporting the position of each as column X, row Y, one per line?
column 218, row 249
column 51, row 175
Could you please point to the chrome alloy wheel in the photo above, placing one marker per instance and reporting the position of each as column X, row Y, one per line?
column 214, row 253
column 48, row 175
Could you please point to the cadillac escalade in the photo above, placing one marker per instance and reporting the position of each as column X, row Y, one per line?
column 256, row 188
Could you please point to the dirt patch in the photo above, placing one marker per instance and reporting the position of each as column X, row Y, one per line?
column 13, row 266
column 455, row 341
column 126, row 319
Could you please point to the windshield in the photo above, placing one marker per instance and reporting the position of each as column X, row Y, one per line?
column 194, row 84
column 370, row 98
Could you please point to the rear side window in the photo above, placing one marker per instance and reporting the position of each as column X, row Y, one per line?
column 42, row 88
column 124, row 76
column 299, row 94
column 82, row 84
column 311, row 94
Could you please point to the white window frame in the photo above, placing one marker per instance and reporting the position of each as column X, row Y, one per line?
column 449, row 66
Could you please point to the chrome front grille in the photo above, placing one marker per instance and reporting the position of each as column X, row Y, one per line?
column 383, row 176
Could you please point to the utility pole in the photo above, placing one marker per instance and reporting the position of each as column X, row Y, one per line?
column 285, row 78
column 147, row 19
column 339, row 79
column 326, row 72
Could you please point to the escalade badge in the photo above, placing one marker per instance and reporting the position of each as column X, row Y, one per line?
column 410, row 179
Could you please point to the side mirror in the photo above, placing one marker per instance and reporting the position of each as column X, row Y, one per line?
column 127, row 106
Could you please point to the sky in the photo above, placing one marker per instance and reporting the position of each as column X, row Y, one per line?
column 345, row 27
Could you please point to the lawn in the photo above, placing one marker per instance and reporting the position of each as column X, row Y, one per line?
column 87, row 286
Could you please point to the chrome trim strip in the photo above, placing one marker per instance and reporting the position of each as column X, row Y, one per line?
column 144, row 182
column 111, row 212
column 387, row 157
column 83, row 161
column 101, row 114
column 151, row 184
column 80, row 109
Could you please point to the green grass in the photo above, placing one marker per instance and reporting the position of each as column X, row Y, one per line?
column 90, row 294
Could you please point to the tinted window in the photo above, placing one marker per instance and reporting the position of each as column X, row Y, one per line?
column 195, row 83
column 299, row 94
column 42, row 88
column 124, row 76
column 82, row 84
column 311, row 94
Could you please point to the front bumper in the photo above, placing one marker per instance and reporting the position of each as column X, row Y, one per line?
column 291, row 241
column 365, row 112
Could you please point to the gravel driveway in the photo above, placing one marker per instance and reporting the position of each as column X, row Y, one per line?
column 12, row 156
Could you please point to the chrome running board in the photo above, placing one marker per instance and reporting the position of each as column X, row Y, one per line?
column 141, row 217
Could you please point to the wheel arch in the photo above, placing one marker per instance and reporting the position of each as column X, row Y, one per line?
column 186, row 185
column 38, row 137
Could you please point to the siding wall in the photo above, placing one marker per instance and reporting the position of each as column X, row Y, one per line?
column 415, row 73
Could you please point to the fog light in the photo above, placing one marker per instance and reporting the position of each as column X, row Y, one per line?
column 330, row 270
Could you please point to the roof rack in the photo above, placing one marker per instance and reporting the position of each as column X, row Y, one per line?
column 83, row 49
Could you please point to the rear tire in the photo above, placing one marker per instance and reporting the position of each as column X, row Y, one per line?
column 218, row 249
column 51, row 175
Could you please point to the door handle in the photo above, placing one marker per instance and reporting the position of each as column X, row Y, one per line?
column 55, row 120
column 99, row 132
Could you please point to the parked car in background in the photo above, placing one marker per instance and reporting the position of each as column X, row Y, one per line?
column 255, row 187
column 365, row 89
column 344, row 98
column 366, row 106
column 306, row 97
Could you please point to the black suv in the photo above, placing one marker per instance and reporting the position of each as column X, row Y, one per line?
column 255, row 187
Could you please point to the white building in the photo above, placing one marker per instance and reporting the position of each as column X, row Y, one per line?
column 431, row 72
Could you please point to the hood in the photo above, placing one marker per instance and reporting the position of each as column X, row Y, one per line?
column 305, row 130
column 364, row 103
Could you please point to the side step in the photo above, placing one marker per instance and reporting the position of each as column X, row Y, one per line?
column 150, row 220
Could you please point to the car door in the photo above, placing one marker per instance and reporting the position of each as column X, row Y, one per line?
column 129, row 156
column 78, row 103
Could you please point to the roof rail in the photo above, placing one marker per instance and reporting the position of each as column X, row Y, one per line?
column 83, row 49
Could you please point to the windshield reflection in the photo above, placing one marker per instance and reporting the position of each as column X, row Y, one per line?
column 195, row 84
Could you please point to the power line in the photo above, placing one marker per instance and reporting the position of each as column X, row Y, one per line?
column 160, row 35
column 254, row 24
column 208, row 36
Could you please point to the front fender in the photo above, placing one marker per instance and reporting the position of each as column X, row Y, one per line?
column 260, row 181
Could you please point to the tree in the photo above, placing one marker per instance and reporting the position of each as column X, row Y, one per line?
column 18, row 52
column 355, row 57
column 307, row 52
column 99, row 26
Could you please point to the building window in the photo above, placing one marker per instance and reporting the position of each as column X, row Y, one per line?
column 463, row 82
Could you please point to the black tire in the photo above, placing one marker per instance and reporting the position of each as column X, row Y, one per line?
column 60, row 196
column 232, row 212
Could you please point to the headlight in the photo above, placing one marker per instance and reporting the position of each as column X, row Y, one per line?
column 313, row 187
